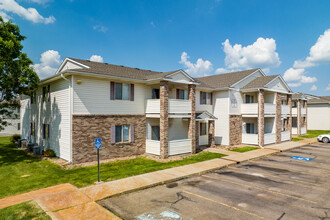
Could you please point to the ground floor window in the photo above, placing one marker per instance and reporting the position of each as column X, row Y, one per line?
column 155, row 133
column 203, row 129
column 32, row 128
column 250, row 128
column 294, row 122
column 45, row 131
column 122, row 133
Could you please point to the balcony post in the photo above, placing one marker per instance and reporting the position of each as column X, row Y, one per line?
column 278, row 114
column 289, row 97
column 192, row 133
column 299, row 118
column 163, row 119
column 211, row 134
column 305, row 106
column 261, row 118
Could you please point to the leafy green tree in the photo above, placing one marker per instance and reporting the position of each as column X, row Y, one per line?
column 16, row 73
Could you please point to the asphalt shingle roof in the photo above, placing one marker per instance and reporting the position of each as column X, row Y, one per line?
column 121, row 71
column 223, row 80
column 259, row 82
column 322, row 99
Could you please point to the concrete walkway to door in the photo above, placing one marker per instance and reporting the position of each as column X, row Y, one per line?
column 66, row 201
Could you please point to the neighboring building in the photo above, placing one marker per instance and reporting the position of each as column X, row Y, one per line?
column 138, row 111
column 13, row 126
column 318, row 113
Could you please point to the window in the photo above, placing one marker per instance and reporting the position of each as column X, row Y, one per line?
column 33, row 97
column 203, row 129
column 122, row 91
column 18, row 126
column 122, row 133
column 294, row 122
column 294, row 104
column 32, row 128
column 182, row 94
column 206, row 98
column 250, row 128
column 46, row 93
column 155, row 133
column 45, row 131
column 155, row 93
column 248, row 99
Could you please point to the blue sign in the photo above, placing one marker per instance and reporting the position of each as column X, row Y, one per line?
column 98, row 143
column 301, row 158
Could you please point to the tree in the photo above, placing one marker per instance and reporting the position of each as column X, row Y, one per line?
column 16, row 73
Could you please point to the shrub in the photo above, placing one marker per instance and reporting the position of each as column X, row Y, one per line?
column 15, row 138
column 49, row 153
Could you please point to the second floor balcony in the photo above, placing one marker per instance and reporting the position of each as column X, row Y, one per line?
column 270, row 109
column 175, row 106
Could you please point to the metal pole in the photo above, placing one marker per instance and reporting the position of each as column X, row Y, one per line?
column 98, row 164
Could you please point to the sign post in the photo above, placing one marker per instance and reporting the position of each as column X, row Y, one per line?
column 98, row 144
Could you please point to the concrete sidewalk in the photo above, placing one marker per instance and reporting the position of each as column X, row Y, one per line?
column 66, row 201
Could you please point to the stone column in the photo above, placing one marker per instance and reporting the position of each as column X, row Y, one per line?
column 261, row 118
column 211, row 134
column 278, row 114
column 305, row 106
column 289, row 97
column 163, row 90
column 299, row 117
column 192, row 122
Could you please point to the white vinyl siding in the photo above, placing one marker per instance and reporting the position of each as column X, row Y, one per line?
column 318, row 117
column 221, row 106
column 92, row 96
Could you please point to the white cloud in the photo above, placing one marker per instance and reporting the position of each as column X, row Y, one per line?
column 307, row 79
column 96, row 58
column 100, row 28
column 262, row 53
column 222, row 70
column 42, row 2
column 49, row 62
column 293, row 74
column 200, row 68
column 31, row 14
column 318, row 54
column 313, row 88
column 328, row 87
column 294, row 84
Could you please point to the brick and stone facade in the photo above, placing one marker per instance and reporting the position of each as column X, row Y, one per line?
column 85, row 128
column 163, row 124
column 289, row 97
column 211, row 134
column 235, row 129
column 192, row 132
column 299, row 117
column 278, row 122
column 305, row 122
column 261, row 117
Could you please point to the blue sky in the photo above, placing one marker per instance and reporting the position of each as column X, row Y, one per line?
column 291, row 38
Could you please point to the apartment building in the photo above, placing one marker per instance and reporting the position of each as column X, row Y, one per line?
column 138, row 111
column 318, row 113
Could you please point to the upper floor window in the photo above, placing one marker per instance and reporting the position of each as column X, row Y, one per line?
column 182, row 94
column 249, row 99
column 206, row 98
column 33, row 97
column 121, row 91
column 46, row 93
column 155, row 93
column 294, row 104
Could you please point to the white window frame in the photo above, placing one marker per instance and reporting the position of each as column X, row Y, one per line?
column 122, row 134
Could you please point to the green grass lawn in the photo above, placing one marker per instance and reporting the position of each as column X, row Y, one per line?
column 297, row 139
column 20, row 172
column 244, row 149
column 314, row 133
column 24, row 211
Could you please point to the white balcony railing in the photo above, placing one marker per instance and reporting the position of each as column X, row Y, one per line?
column 294, row 111
column 285, row 135
column 303, row 130
column 269, row 138
column 249, row 108
column 285, row 109
column 177, row 106
column 294, row 130
column 175, row 147
column 270, row 109
column 250, row 139
column 303, row 111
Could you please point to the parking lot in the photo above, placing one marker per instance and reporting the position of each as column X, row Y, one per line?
column 273, row 187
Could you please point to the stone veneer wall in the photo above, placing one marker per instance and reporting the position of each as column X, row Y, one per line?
column 278, row 114
column 305, row 106
column 85, row 128
column 289, row 97
column 235, row 129
column 163, row 123
column 299, row 117
column 192, row 132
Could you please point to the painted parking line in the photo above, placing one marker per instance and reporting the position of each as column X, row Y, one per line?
column 258, row 188
column 280, row 177
column 226, row 205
